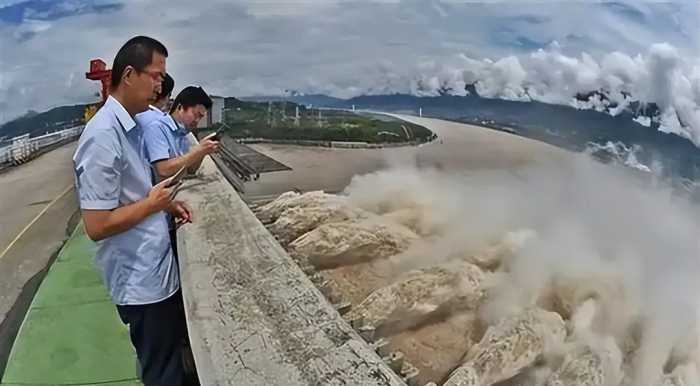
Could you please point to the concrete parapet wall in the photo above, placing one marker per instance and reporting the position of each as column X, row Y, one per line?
column 254, row 317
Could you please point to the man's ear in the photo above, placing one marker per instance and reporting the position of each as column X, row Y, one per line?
column 128, row 74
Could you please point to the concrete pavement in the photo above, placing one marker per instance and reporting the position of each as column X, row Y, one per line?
column 36, row 201
column 27, row 189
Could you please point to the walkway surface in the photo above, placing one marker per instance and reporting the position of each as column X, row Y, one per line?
column 37, row 200
column 27, row 189
column 72, row 334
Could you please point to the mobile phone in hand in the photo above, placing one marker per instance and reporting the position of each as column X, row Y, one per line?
column 177, row 177
column 216, row 136
column 175, row 189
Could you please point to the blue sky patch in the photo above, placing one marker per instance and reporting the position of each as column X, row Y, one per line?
column 626, row 10
column 48, row 10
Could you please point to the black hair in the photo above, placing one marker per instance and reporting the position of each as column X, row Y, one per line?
column 166, row 88
column 137, row 53
column 191, row 96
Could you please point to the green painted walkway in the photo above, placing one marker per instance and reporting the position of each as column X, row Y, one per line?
column 72, row 334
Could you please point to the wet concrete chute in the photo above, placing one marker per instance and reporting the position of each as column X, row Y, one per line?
column 242, row 163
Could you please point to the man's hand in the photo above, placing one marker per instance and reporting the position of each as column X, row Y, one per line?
column 100, row 224
column 207, row 146
column 160, row 197
column 181, row 211
column 192, row 160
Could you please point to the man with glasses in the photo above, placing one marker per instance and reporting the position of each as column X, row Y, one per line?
column 166, row 145
column 161, row 105
column 126, row 215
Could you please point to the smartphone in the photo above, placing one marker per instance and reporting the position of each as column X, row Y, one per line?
column 216, row 136
column 177, row 177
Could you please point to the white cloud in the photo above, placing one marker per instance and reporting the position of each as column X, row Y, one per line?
column 503, row 78
column 659, row 76
column 346, row 48
column 29, row 29
column 644, row 121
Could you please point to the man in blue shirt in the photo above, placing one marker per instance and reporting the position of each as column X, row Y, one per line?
column 160, row 106
column 165, row 143
column 126, row 215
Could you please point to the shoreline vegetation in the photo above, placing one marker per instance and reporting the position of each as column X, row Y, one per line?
column 291, row 123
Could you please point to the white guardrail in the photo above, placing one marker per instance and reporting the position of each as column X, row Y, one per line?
column 20, row 149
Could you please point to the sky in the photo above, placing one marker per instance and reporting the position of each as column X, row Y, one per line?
column 539, row 50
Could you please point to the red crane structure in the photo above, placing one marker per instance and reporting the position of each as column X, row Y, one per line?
column 99, row 71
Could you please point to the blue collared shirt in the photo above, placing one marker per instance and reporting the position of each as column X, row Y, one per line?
column 137, row 265
column 145, row 118
column 164, row 138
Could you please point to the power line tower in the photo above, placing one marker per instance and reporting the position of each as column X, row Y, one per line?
column 269, row 114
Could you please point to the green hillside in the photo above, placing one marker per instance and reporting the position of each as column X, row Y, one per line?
column 278, row 120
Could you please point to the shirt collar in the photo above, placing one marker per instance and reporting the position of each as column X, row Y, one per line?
column 177, row 126
column 154, row 108
column 120, row 112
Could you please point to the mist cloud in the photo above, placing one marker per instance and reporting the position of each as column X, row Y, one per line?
column 584, row 230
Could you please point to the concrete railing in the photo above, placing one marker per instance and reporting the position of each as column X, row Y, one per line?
column 254, row 318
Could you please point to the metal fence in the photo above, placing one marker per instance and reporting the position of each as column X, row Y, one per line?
column 21, row 149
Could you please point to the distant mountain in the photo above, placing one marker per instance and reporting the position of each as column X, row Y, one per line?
column 39, row 123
